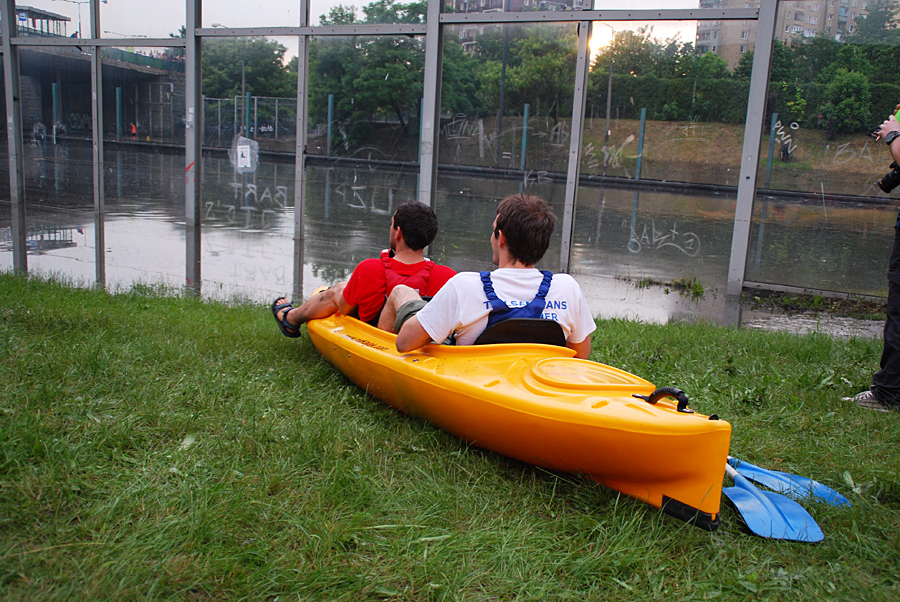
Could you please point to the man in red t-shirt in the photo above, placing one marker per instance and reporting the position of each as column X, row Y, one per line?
column 413, row 227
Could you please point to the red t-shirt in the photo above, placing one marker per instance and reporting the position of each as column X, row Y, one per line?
column 367, row 288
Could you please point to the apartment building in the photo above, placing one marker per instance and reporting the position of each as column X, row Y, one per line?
column 797, row 21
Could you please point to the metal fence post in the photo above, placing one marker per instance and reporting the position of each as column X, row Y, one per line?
column 431, row 111
column 193, row 157
column 14, row 136
column 753, row 130
column 97, row 146
column 300, row 150
column 574, row 172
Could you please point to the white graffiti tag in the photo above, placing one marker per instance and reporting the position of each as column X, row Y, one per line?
column 686, row 242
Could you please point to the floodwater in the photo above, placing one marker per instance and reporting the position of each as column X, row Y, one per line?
column 651, row 255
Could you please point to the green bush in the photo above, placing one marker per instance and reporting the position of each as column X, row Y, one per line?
column 848, row 102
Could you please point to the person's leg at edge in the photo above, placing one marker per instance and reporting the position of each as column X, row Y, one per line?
column 886, row 382
column 400, row 295
column 320, row 305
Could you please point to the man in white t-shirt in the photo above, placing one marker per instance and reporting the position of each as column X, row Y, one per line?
column 464, row 306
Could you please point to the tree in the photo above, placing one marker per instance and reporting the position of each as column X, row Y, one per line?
column 629, row 52
column 490, row 44
column 879, row 26
column 177, row 53
column 258, row 60
column 382, row 78
column 814, row 57
column 670, row 57
column 389, row 11
column 707, row 66
column 784, row 68
column 386, row 79
column 339, row 15
column 540, row 65
column 849, row 58
column 847, row 103
column 884, row 60
column 545, row 74
column 376, row 77
column 458, row 83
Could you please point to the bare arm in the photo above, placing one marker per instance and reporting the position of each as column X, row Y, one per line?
column 582, row 349
column 890, row 125
column 412, row 336
column 895, row 150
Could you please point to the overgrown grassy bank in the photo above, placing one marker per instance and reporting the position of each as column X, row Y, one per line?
column 164, row 448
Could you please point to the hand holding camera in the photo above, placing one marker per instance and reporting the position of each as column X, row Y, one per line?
column 890, row 125
column 889, row 131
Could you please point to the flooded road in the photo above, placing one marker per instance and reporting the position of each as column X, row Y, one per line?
column 652, row 255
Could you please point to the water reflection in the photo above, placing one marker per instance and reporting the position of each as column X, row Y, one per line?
column 822, row 245
column 650, row 254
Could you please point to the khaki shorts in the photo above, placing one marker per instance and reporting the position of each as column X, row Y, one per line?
column 406, row 311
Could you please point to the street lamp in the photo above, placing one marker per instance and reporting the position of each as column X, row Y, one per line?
column 124, row 35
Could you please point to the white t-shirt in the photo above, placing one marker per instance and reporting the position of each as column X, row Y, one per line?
column 461, row 307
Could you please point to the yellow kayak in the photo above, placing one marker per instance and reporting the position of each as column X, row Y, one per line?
column 540, row 405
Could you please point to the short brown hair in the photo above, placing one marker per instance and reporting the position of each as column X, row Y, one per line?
column 527, row 223
column 418, row 223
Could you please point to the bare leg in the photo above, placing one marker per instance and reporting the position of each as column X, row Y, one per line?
column 320, row 305
column 400, row 295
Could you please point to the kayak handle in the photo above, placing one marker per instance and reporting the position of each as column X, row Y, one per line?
column 675, row 392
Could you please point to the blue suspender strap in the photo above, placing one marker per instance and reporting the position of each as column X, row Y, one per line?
column 496, row 304
column 536, row 306
column 545, row 285
column 500, row 311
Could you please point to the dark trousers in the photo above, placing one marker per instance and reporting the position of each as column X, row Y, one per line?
column 886, row 382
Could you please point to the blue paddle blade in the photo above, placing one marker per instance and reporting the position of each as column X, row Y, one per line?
column 772, row 515
column 795, row 486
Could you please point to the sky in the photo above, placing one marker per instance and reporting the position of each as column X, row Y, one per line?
column 159, row 18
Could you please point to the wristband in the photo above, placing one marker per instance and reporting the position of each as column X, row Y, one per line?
column 891, row 136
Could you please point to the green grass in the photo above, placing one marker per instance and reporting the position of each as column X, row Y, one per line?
column 165, row 448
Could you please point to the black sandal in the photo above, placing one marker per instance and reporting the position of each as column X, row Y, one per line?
column 287, row 329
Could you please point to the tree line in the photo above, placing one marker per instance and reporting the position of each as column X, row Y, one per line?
column 835, row 86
